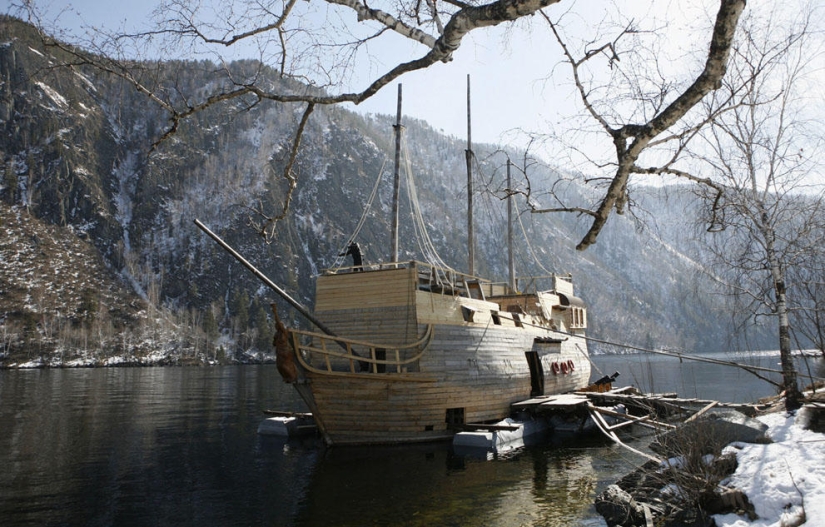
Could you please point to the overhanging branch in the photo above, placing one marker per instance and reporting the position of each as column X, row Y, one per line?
column 631, row 140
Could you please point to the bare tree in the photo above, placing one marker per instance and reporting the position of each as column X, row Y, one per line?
column 760, row 155
column 808, row 294
column 322, row 43
column 647, row 117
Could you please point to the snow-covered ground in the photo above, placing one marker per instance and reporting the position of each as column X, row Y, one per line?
column 785, row 480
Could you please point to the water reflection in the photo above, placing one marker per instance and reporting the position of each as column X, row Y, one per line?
column 430, row 485
column 160, row 446
column 179, row 446
column 132, row 446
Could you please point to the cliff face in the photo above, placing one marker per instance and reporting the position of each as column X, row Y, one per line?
column 99, row 229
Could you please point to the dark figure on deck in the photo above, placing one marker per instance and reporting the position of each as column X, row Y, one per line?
column 354, row 250
column 607, row 379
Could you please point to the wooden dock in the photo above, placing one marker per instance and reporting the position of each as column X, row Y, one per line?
column 607, row 411
column 583, row 406
column 647, row 410
column 669, row 403
column 552, row 402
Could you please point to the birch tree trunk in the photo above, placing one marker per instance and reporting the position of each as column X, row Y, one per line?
column 793, row 397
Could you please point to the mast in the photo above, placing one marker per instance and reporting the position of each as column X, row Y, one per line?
column 511, row 258
column 396, row 180
column 469, row 156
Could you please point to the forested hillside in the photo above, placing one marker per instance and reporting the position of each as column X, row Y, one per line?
column 100, row 257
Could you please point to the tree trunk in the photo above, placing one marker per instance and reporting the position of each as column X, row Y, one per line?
column 793, row 397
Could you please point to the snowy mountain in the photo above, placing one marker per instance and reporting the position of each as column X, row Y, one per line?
column 101, row 229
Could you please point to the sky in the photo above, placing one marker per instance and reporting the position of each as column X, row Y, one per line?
column 508, row 71
column 518, row 79
column 436, row 95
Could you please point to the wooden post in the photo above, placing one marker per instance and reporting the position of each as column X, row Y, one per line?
column 396, row 180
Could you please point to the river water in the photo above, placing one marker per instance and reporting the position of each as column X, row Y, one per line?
column 178, row 446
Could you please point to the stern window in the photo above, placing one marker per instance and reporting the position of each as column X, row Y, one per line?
column 578, row 318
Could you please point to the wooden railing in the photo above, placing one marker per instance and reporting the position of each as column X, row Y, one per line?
column 322, row 353
column 429, row 277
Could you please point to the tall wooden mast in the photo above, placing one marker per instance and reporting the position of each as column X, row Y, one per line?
column 396, row 180
column 511, row 259
column 469, row 157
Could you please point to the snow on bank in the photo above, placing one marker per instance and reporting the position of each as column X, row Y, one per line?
column 785, row 480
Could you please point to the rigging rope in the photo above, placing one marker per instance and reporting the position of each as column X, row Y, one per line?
column 339, row 259
column 530, row 246
column 478, row 170
column 425, row 244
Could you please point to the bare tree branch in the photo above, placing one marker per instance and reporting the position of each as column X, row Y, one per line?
column 630, row 140
column 753, row 153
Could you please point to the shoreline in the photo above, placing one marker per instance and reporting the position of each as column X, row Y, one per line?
column 774, row 478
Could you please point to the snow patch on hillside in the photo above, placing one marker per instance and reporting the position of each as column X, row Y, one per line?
column 52, row 94
column 126, row 177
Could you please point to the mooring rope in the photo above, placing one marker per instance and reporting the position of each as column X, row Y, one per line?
column 687, row 356
column 678, row 354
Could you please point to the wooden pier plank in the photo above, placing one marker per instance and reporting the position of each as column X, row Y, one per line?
column 564, row 401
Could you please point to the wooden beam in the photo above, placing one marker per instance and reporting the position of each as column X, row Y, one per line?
column 488, row 428
column 702, row 411
column 602, row 425
column 650, row 423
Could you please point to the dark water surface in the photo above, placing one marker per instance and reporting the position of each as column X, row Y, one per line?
column 179, row 446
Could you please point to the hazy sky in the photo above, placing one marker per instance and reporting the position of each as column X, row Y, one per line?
column 506, row 72
column 509, row 67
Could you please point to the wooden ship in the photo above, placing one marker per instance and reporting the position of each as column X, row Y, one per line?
column 429, row 351
column 414, row 351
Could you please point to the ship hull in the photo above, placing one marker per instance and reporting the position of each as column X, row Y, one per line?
column 457, row 384
column 412, row 362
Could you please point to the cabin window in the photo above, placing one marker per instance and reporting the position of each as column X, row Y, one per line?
column 496, row 318
column 454, row 417
column 468, row 313
column 517, row 320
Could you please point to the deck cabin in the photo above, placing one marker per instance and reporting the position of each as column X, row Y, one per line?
column 385, row 304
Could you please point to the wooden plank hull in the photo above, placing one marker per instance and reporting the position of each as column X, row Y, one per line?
column 478, row 381
column 472, row 358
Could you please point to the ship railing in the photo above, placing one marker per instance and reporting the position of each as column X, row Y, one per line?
column 366, row 268
column 323, row 353
column 444, row 280
column 534, row 284
column 431, row 278
column 446, row 277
